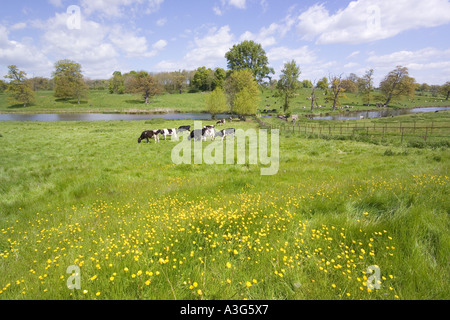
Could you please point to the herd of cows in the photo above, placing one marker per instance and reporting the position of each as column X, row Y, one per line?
column 197, row 134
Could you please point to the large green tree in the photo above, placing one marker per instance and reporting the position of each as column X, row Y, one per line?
column 116, row 83
column 445, row 90
column 289, row 83
column 216, row 102
column 249, row 55
column 365, row 87
column 243, row 92
column 145, row 84
column 337, row 91
column 397, row 84
column 69, row 81
column 19, row 89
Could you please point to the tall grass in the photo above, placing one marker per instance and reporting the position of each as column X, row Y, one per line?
column 140, row 227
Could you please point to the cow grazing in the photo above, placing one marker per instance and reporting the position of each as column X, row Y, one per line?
column 208, row 131
column 184, row 128
column 221, row 122
column 149, row 134
column 196, row 134
column 225, row 133
column 169, row 132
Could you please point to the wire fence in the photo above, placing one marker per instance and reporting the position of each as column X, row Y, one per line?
column 401, row 132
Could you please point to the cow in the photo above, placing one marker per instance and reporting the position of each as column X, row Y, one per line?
column 149, row 134
column 202, row 134
column 196, row 134
column 208, row 131
column 221, row 122
column 225, row 133
column 169, row 132
column 184, row 128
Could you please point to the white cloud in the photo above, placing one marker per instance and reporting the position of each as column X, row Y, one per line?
column 208, row 51
column 19, row 26
column 161, row 22
column 56, row 3
column 115, row 8
column 426, row 65
column 370, row 20
column 134, row 46
column 353, row 54
column 26, row 56
column 240, row 4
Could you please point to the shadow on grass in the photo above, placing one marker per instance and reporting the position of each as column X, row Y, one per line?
column 136, row 101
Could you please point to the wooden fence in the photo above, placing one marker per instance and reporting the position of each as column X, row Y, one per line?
column 401, row 132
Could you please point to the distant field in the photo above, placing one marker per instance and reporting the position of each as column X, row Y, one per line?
column 102, row 101
column 139, row 227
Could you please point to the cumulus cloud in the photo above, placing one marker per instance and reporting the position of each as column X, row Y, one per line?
column 24, row 55
column 208, row 51
column 370, row 20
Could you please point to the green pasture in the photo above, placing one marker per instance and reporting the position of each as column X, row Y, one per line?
column 102, row 101
column 137, row 226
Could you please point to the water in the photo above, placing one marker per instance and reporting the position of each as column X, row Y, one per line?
column 107, row 117
column 199, row 116
column 383, row 113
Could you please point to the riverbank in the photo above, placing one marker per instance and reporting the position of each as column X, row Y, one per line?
column 103, row 102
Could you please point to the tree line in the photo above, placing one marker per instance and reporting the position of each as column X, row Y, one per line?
column 234, row 90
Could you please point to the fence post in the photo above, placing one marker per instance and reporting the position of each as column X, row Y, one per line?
column 402, row 135
column 426, row 134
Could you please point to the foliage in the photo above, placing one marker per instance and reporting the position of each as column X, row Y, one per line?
column 146, row 85
column 116, row 83
column 19, row 88
column 69, row 81
column 337, row 91
column 397, row 84
column 288, row 83
column 216, row 102
column 445, row 90
column 249, row 55
column 366, row 87
column 241, row 85
column 323, row 84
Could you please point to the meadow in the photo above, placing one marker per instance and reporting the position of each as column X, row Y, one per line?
column 103, row 102
column 139, row 227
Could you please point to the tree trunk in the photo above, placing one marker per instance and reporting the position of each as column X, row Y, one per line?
column 146, row 100
column 448, row 94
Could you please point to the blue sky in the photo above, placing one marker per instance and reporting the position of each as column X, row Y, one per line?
column 323, row 37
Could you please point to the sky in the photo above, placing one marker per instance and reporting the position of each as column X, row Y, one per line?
column 325, row 38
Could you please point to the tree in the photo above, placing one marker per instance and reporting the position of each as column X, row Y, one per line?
column 445, row 90
column 69, row 81
column 116, row 83
column 307, row 84
column 216, row 102
column 397, row 84
column 323, row 84
column 337, row 91
column 249, row 55
column 145, row 84
column 350, row 84
column 243, row 92
column 288, row 83
column 204, row 79
column 3, row 86
column 313, row 95
column 365, row 85
column 19, row 88
column 220, row 75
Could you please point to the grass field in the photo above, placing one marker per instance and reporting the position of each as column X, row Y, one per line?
column 102, row 101
column 140, row 227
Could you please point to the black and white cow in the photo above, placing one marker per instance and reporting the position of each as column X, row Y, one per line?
column 209, row 131
column 221, row 122
column 226, row 133
column 169, row 132
column 196, row 134
column 184, row 128
column 149, row 134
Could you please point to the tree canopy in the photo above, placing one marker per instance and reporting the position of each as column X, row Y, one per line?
column 397, row 84
column 19, row 88
column 243, row 92
column 69, row 81
column 289, row 83
column 249, row 55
